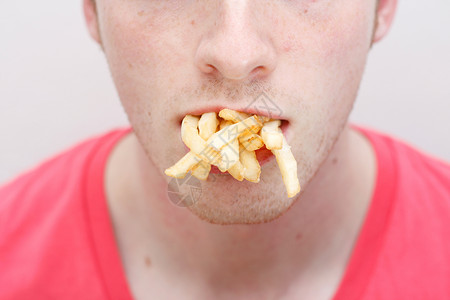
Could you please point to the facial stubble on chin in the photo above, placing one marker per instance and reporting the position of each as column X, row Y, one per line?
column 269, row 216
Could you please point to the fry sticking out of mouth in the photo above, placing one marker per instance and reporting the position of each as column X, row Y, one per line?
column 229, row 141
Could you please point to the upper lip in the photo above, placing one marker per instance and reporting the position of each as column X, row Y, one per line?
column 249, row 110
column 197, row 111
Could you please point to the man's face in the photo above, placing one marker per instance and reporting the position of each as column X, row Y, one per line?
column 172, row 58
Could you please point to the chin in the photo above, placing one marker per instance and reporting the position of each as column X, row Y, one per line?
column 227, row 201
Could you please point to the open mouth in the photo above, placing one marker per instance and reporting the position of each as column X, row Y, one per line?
column 238, row 142
column 247, row 110
column 263, row 155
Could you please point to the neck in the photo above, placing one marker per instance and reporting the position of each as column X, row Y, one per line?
column 313, row 239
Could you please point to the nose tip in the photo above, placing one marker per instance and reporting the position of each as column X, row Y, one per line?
column 233, row 64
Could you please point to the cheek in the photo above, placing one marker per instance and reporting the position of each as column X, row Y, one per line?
column 347, row 40
column 330, row 34
column 127, row 43
column 325, row 53
column 331, row 48
column 144, row 55
column 136, row 41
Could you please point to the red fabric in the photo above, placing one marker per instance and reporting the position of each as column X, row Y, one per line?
column 57, row 241
column 403, row 249
column 56, row 237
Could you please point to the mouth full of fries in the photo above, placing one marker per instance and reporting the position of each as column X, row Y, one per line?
column 229, row 141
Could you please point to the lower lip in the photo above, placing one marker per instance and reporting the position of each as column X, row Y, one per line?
column 263, row 155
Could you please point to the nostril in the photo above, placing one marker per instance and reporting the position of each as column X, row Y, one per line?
column 209, row 68
column 234, row 64
column 258, row 71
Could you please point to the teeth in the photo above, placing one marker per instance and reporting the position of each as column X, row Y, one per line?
column 229, row 141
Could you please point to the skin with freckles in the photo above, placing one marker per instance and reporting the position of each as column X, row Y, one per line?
column 172, row 58
column 168, row 58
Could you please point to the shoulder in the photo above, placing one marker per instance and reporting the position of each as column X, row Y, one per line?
column 54, row 174
column 413, row 168
column 413, row 259
column 45, row 235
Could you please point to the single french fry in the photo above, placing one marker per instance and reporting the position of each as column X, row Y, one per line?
column 192, row 139
column 237, row 171
column 184, row 165
column 232, row 115
column 201, row 170
column 251, row 141
column 229, row 155
column 288, row 168
column 273, row 124
column 225, row 123
column 207, row 125
column 229, row 133
column 271, row 135
column 252, row 169
column 191, row 159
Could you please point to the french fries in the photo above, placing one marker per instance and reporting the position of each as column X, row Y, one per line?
column 252, row 169
column 288, row 168
column 225, row 123
column 229, row 133
column 272, row 138
column 229, row 155
column 192, row 139
column 232, row 115
column 251, row 141
column 207, row 125
column 201, row 170
column 184, row 165
column 229, row 141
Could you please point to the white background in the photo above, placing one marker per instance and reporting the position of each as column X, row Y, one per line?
column 55, row 87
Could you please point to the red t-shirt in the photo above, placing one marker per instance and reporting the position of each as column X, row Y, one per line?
column 57, row 240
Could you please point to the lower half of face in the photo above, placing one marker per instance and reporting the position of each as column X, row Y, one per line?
column 316, row 51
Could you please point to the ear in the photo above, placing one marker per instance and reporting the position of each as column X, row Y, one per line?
column 90, row 16
column 384, row 17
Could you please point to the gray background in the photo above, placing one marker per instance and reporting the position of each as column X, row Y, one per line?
column 55, row 89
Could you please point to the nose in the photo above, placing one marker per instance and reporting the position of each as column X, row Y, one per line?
column 237, row 47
